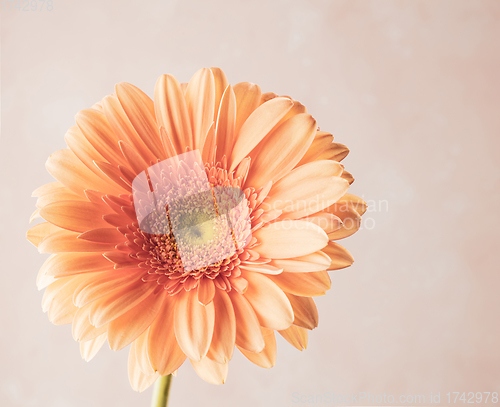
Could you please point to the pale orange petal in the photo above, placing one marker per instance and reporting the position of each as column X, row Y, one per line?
column 247, row 100
column 223, row 340
column 248, row 334
column 257, row 126
column 89, row 348
column 321, row 142
column 200, row 100
column 172, row 113
column 39, row 232
column 138, row 380
column 129, row 326
column 269, row 302
column 311, row 284
column 295, row 336
column 317, row 261
column 339, row 256
column 77, row 216
column 289, row 238
column 210, row 371
column 67, row 241
column 206, row 291
column 226, row 122
column 267, row 357
column 351, row 220
column 82, row 329
column 194, row 324
column 304, row 311
column 164, row 352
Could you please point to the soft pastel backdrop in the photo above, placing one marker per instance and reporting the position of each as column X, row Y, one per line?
column 412, row 87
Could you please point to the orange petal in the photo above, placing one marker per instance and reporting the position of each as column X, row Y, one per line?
column 248, row 333
column 47, row 189
column 164, row 352
column 39, row 232
column 129, row 326
column 200, row 100
column 210, row 371
column 89, row 348
column 96, row 129
column 77, row 216
column 194, row 324
column 64, row 166
column 335, row 152
column 221, row 84
column 122, row 127
column 141, row 353
column 278, row 153
column 67, row 264
column 321, row 142
column 311, row 284
column 226, row 122
column 115, row 304
column 267, row 357
column 140, row 110
column 81, row 147
column 247, row 100
column 206, row 291
column 223, row 340
column 103, row 235
column 316, row 261
column 339, row 256
column 289, row 238
column 172, row 113
column 269, row 302
column 59, row 194
column 138, row 380
column 326, row 221
column 257, row 126
column 351, row 220
column 82, row 329
column 304, row 311
column 67, row 241
column 295, row 336
column 355, row 202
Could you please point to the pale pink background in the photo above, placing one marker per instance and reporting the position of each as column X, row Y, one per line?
column 412, row 87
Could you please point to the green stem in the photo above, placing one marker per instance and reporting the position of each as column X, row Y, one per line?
column 161, row 391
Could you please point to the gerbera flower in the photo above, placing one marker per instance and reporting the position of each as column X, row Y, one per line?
column 164, row 277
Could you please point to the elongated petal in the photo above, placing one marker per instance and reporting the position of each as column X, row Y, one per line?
column 39, row 232
column 321, row 142
column 81, row 147
column 194, row 325
column 210, row 371
column 221, row 84
column 257, row 126
column 304, row 311
column 129, row 326
column 303, row 284
column 67, row 264
column 89, row 348
column 248, row 334
column 226, row 122
column 286, row 239
column 339, row 256
column 247, row 100
column 117, row 303
column 278, row 153
column 138, row 380
column 295, row 336
column 60, row 194
column 77, row 216
column 355, row 202
column 351, row 220
column 267, row 357
column 64, row 166
column 269, row 302
column 122, row 127
column 67, row 241
column 172, row 112
column 82, row 329
column 96, row 129
column 223, row 340
column 165, row 354
column 103, row 235
column 200, row 100
column 140, row 110
column 206, row 291
column 317, row 261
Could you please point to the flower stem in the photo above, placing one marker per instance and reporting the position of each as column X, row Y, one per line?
column 161, row 391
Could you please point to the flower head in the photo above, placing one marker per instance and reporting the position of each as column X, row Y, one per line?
column 191, row 224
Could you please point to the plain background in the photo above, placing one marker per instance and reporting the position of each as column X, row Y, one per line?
column 412, row 87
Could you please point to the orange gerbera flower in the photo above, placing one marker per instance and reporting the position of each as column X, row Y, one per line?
column 227, row 242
